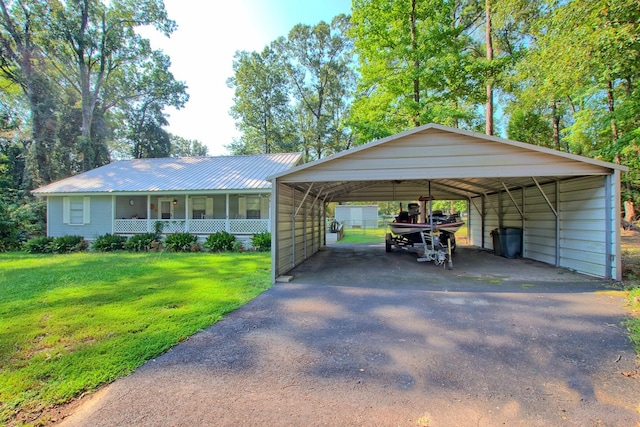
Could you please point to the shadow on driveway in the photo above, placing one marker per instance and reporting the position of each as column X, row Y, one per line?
column 360, row 337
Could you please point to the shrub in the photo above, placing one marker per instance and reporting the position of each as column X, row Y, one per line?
column 143, row 242
column 220, row 241
column 68, row 244
column 237, row 246
column 109, row 242
column 181, row 242
column 261, row 241
column 39, row 245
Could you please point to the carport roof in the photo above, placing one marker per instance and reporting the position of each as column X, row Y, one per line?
column 450, row 163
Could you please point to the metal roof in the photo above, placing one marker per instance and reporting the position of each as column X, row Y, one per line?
column 450, row 162
column 248, row 172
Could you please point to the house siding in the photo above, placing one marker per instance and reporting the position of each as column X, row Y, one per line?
column 100, row 221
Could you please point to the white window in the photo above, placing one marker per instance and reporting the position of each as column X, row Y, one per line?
column 75, row 210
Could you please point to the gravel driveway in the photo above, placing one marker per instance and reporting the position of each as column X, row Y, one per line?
column 364, row 338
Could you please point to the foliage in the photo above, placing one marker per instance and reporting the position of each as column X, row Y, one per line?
column 181, row 147
column 109, row 242
column 261, row 102
column 68, row 244
column 71, row 324
column 261, row 241
column 144, row 242
column 633, row 323
column 83, row 69
column 182, row 242
column 416, row 64
column 39, row 245
column 295, row 95
column 220, row 241
column 238, row 246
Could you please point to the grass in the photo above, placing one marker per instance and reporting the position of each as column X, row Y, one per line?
column 631, row 277
column 377, row 235
column 71, row 323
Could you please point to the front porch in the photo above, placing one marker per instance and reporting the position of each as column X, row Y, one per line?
column 238, row 214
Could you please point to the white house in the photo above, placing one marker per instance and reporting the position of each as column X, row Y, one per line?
column 199, row 195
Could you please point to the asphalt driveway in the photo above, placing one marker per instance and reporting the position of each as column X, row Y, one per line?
column 361, row 337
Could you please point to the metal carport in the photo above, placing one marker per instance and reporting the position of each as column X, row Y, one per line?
column 568, row 206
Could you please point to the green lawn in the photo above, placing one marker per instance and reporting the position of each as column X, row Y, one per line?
column 377, row 235
column 71, row 323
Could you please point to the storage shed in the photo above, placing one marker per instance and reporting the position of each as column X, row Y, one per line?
column 567, row 206
column 357, row 216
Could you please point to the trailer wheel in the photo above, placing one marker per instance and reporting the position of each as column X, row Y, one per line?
column 387, row 243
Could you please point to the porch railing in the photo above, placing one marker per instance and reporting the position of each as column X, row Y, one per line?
column 195, row 226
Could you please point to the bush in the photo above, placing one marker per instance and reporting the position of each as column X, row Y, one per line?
column 108, row 243
column 220, row 241
column 68, row 244
column 143, row 242
column 182, row 242
column 261, row 241
column 238, row 246
column 39, row 245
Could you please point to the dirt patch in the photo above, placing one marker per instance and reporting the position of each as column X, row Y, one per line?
column 630, row 254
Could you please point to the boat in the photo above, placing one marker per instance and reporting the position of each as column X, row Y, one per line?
column 408, row 228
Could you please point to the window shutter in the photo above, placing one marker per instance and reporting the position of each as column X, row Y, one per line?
column 86, row 210
column 66, row 210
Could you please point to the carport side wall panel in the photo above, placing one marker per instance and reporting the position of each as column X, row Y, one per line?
column 582, row 225
column 540, row 241
column 297, row 238
column 283, row 237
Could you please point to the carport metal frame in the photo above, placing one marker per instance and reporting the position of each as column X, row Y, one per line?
column 324, row 181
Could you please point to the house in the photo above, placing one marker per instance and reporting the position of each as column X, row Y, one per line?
column 199, row 195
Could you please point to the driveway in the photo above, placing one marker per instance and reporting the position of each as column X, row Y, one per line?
column 364, row 338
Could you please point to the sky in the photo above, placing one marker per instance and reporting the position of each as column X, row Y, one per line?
column 202, row 48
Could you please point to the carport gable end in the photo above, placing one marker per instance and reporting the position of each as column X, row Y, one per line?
column 507, row 184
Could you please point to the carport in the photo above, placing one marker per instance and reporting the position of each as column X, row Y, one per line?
column 567, row 206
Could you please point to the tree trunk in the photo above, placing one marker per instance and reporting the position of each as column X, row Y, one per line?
column 556, row 125
column 629, row 211
column 489, row 112
column 416, row 64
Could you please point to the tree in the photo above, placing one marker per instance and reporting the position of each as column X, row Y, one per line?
column 586, row 58
column 318, row 62
column 23, row 63
column 261, row 102
column 415, row 64
column 181, row 147
column 94, row 41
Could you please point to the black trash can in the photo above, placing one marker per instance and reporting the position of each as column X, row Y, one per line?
column 497, row 244
column 511, row 242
